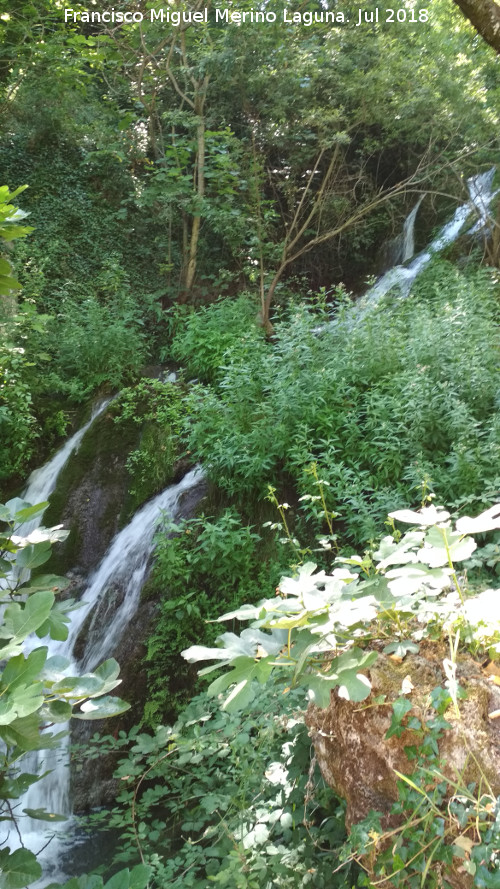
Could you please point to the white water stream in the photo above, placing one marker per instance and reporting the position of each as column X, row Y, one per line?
column 42, row 482
column 125, row 567
column 402, row 277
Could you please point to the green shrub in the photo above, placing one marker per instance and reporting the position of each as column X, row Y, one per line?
column 380, row 401
column 227, row 800
column 159, row 409
column 208, row 563
column 94, row 344
column 205, row 339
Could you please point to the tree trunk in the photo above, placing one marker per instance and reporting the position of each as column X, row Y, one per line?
column 485, row 16
column 200, row 194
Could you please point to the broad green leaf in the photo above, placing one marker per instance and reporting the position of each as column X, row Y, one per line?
column 139, row 876
column 12, row 788
column 8, row 712
column 355, row 686
column 26, row 513
column 33, row 555
column 108, row 670
column 55, row 668
column 244, row 672
column 392, row 553
column 102, row 708
column 18, row 868
column 21, row 670
column 43, row 815
column 27, row 699
column 434, row 552
column 429, row 515
column 407, row 580
column 319, row 687
column 57, row 624
column 21, row 621
column 56, row 711
column 47, row 582
column 401, row 648
column 245, row 612
column 240, row 696
column 487, row 521
column 354, row 659
column 78, row 686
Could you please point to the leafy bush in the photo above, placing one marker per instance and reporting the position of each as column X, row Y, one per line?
column 159, row 409
column 233, row 801
column 380, row 401
column 307, row 631
column 95, row 344
column 208, row 563
column 206, row 339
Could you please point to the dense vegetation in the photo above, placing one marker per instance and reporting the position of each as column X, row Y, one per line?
column 213, row 198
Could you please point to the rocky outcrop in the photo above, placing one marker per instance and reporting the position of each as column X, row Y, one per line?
column 91, row 493
column 359, row 762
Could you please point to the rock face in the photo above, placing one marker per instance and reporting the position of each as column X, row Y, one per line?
column 358, row 761
column 90, row 495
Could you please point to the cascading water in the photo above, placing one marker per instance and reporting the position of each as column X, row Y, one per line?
column 42, row 482
column 408, row 240
column 125, row 567
column 402, row 277
column 402, row 248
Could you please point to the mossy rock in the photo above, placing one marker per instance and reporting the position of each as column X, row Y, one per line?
column 90, row 495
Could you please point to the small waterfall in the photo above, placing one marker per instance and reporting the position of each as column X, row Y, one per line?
column 402, row 277
column 42, row 482
column 408, row 245
column 401, row 248
column 124, row 567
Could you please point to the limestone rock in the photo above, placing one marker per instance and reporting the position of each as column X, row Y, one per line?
column 358, row 761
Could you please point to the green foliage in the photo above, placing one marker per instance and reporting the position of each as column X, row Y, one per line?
column 94, row 344
column 305, row 635
column 159, row 408
column 208, row 339
column 201, row 565
column 17, row 421
column 374, row 400
column 37, row 692
column 137, row 878
column 10, row 229
column 225, row 800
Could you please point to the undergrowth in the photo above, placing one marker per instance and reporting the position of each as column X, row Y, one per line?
column 379, row 401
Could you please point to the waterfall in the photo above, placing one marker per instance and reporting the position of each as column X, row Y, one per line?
column 401, row 248
column 125, row 567
column 42, row 482
column 408, row 245
column 402, row 277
